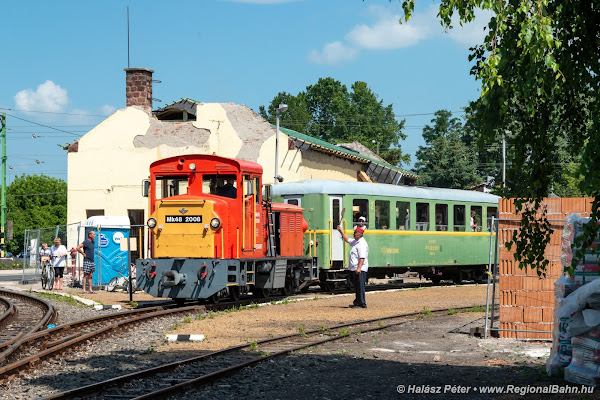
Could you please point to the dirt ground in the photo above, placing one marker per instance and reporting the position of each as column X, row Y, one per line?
column 229, row 329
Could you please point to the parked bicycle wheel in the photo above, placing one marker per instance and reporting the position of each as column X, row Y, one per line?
column 49, row 281
column 112, row 285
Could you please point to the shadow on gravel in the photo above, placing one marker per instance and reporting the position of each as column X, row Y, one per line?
column 322, row 376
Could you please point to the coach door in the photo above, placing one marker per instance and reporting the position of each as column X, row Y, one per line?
column 337, row 242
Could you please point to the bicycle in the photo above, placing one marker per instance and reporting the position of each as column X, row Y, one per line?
column 121, row 281
column 47, row 274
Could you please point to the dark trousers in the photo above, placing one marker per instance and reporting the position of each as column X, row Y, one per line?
column 359, row 286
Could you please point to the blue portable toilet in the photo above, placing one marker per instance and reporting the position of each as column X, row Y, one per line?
column 108, row 256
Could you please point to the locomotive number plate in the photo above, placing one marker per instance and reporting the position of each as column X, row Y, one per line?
column 185, row 219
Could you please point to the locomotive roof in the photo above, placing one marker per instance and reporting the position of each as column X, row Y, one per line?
column 326, row 186
column 243, row 165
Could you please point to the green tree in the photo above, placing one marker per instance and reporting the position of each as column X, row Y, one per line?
column 34, row 201
column 540, row 75
column 329, row 111
column 446, row 160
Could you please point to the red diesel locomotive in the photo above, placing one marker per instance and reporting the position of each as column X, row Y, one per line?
column 213, row 236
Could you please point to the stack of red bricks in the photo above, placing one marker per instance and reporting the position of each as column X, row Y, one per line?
column 526, row 300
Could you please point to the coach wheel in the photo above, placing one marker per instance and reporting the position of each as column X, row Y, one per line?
column 261, row 293
column 457, row 279
column 436, row 280
column 234, row 293
column 305, row 289
column 214, row 299
column 179, row 302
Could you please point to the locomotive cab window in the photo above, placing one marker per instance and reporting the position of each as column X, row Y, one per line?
column 459, row 218
column 360, row 208
column 475, row 221
column 422, row 216
column 403, row 215
column 167, row 186
column 491, row 212
column 220, row 184
column 382, row 214
column 441, row 217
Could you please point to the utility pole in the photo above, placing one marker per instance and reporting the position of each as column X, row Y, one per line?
column 3, row 196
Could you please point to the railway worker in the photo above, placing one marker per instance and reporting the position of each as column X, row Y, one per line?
column 358, row 264
column 59, row 262
column 86, row 249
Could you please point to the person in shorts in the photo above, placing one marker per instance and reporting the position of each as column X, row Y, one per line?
column 86, row 249
column 58, row 253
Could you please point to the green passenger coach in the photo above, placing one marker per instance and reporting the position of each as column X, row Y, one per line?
column 439, row 233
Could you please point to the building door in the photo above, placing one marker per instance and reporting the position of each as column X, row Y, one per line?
column 337, row 242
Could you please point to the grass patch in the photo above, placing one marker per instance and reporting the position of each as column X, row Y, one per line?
column 253, row 346
column 302, row 331
column 133, row 304
column 452, row 311
column 187, row 319
column 11, row 265
column 70, row 300
column 479, row 308
column 343, row 332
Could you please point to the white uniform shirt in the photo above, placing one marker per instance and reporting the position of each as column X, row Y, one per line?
column 360, row 249
column 59, row 256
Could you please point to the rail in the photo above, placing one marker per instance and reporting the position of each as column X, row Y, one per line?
column 139, row 382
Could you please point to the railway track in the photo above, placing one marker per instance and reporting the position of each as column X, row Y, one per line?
column 23, row 315
column 35, row 347
column 190, row 374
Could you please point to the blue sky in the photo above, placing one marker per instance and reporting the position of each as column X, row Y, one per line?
column 62, row 61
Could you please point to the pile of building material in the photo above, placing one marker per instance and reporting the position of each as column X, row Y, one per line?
column 576, row 335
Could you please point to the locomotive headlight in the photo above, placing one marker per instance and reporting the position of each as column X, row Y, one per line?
column 215, row 223
column 193, row 166
column 151, row 223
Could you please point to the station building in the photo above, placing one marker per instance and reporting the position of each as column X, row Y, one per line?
column 107, row 166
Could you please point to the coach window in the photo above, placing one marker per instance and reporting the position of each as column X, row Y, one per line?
column 403, row 215
column 441, row 217
column 475, row 220
column 382, row 214
column 422, row 216
column 360, row 208
column 491, row 212
column 459, row 218
column 294, row 201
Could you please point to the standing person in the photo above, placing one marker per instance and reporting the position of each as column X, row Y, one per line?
column 358, row 264
column 59, row 262
column 473, row 222
column 86, row 249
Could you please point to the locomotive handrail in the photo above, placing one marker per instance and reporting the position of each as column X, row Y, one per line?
column 222, row 242
column 237, row 243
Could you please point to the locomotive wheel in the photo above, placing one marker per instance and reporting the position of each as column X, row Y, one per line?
column 287, row 289
column 234, row 293
column 261, row 293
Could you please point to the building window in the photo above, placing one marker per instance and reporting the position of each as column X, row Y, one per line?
column 441, row 217
column 403, row 215
column 459, row 218
column 382, row 214
column 422, row 216
column 360, row 208
column 93, row 213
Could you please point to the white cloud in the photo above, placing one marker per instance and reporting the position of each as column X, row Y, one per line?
column 107, row 109
column 332, row 53
column 388, row 33
column 472, row 33
column 48, row 97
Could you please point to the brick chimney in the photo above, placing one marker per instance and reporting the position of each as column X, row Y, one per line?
column 138, row 87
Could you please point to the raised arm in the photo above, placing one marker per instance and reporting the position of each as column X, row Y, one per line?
column 344, row 236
